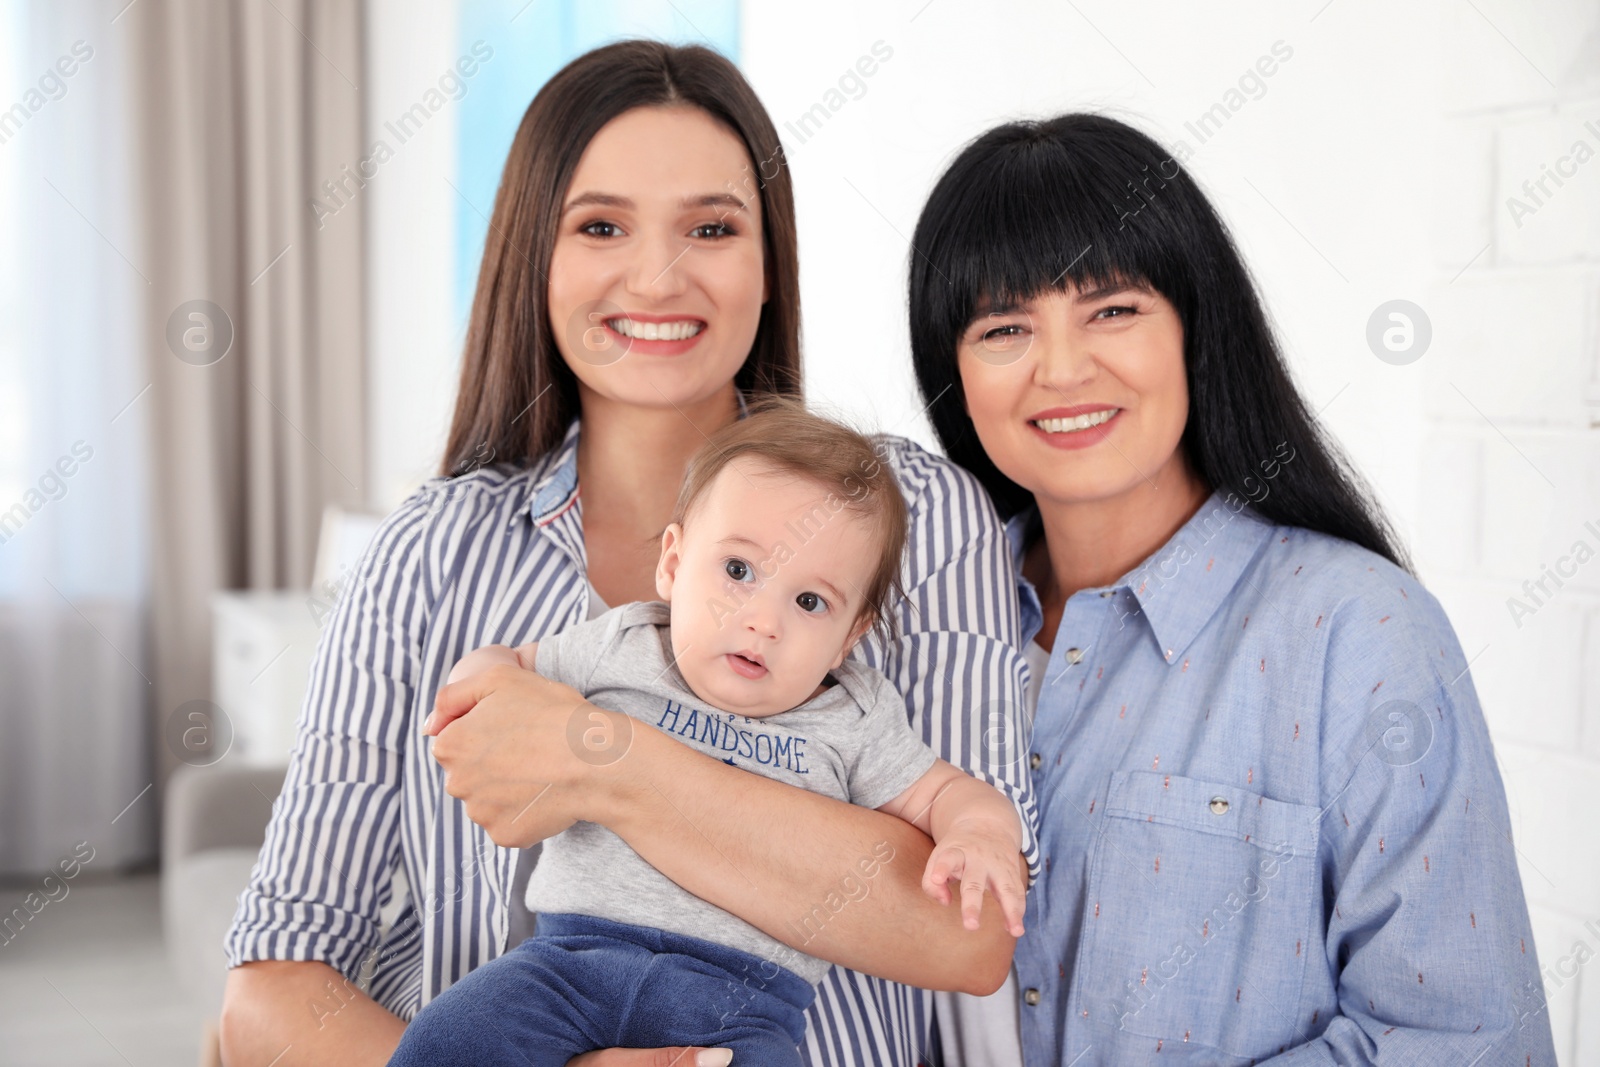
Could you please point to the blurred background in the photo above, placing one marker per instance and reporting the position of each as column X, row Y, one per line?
column 238, row 241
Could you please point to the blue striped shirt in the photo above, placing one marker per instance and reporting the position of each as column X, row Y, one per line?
column 497, row 556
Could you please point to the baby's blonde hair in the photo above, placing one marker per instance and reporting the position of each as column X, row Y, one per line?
column 782, row 434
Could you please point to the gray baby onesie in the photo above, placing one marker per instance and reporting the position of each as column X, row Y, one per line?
column 852, row 742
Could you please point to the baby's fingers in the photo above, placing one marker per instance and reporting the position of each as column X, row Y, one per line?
column 972, row 887
column 943, row 865
column 1013, row 902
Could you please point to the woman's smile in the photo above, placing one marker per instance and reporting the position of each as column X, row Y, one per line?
column 1078, row 426
column 656, row 335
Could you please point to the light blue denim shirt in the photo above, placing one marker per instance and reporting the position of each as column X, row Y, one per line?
column 1270, row 817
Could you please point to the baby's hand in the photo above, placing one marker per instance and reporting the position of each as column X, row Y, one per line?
column 481, row 659
column 476, row 662
column 980, row 853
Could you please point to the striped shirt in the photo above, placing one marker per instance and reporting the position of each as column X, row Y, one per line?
column 364, row 825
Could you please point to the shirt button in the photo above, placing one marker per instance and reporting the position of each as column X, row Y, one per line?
column 1107, row 593
column 1031, row 996
column 1219, row 805
column 1074, row 655
column 1034, row 760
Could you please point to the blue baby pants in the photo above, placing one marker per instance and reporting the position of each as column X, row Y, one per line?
column 583, row 983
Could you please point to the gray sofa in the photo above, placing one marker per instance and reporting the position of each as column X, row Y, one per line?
column 215, row 821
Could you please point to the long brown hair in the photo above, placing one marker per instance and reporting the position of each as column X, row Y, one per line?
column 517, row 396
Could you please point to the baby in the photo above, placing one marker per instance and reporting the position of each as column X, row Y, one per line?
column 783, row 552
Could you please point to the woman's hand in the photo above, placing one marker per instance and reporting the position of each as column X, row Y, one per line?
column 523, row 760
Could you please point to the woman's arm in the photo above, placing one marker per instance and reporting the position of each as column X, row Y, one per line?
column 522, row 778
column 687, row 815
column 282, row 1013
column 292, row 1012
column 1427, row 923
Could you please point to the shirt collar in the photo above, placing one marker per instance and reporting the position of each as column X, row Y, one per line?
column 555, row 486
column 1180, row 586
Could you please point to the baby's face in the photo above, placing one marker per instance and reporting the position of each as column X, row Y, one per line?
column 766, row 585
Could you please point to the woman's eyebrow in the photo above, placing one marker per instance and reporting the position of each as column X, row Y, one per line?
column 1006, row 307
column 1112, row 290
column 727, row 200
column 1011, row 307
column 599, row 199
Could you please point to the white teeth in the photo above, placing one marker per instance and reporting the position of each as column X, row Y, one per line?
column 1080, row 422
column 656, row 331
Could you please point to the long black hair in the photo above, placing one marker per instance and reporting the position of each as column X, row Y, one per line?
column 1084, row 200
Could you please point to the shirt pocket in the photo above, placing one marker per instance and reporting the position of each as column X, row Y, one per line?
column 1202, row 899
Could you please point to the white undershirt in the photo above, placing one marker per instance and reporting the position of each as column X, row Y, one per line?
column 596, row 605
column 1038, row 660
column 987, row 1031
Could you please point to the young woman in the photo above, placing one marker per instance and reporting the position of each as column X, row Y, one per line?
column 1270, row 817
column 639, row 279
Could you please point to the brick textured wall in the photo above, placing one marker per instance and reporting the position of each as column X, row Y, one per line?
column 1508, row 530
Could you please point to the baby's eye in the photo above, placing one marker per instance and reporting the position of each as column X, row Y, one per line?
column 737, row 569
column 811, row 602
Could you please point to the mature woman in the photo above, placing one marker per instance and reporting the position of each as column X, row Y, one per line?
column 639, row 279
column 1271, row 822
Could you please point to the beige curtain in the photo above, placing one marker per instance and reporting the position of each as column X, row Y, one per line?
column 246, row 108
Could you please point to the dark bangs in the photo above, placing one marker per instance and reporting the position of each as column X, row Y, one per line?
column 1020, row 213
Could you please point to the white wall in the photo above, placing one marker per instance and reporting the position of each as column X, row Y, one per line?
column 1512, row 454
column 414, row 348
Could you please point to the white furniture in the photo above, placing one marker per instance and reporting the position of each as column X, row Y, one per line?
column 263, row 643
column 262, row 646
